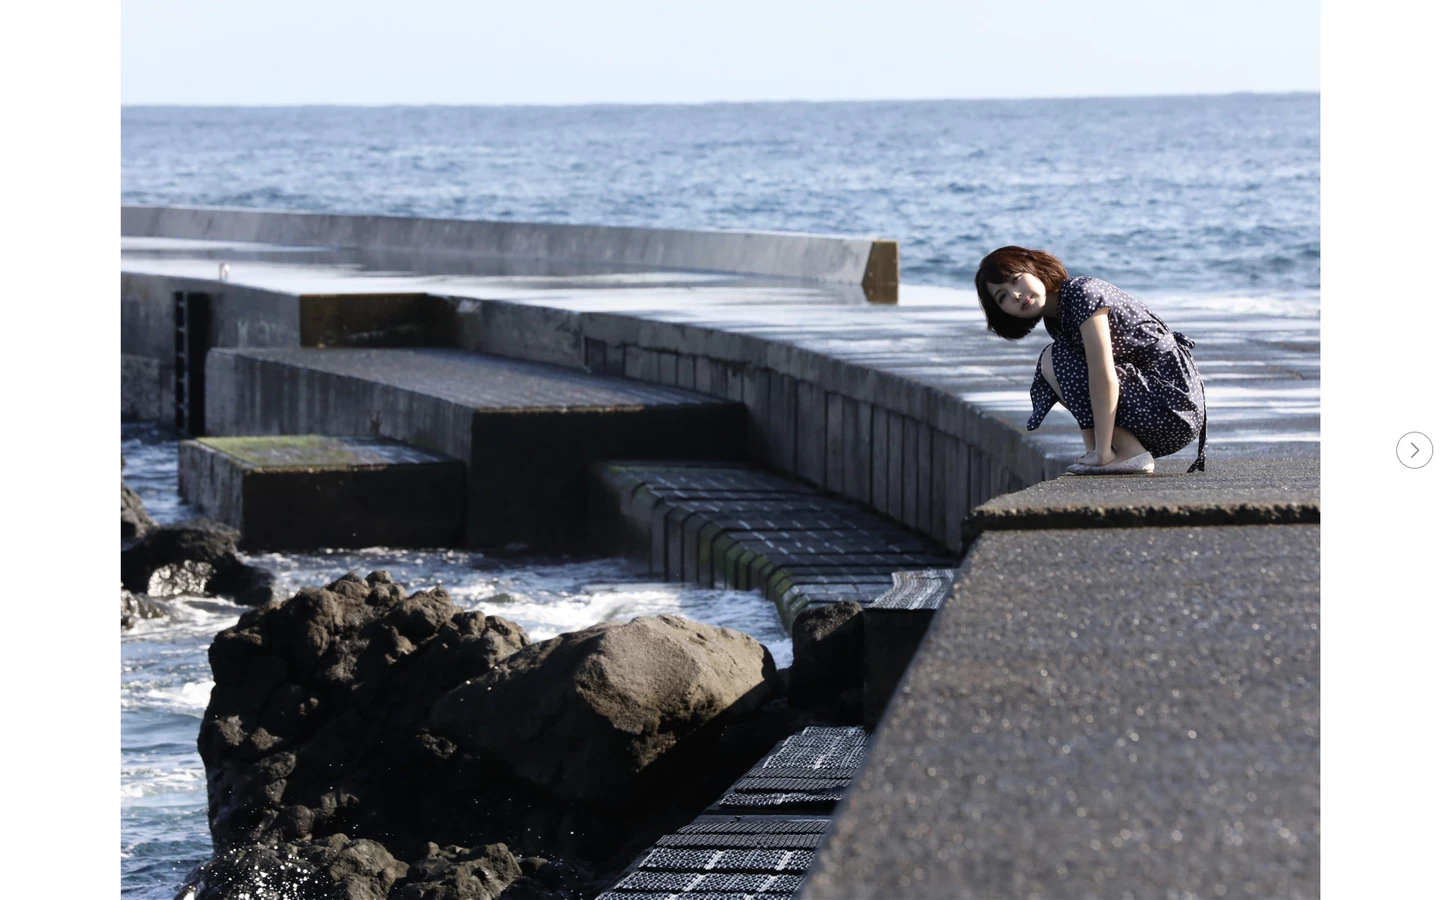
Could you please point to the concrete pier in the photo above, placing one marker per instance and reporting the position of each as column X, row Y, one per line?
column 1118, row 661
column 908, row 408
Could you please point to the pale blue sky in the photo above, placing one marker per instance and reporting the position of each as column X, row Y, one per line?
column 643, row 51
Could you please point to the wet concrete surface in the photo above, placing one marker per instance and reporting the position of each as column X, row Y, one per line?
column 1102, row 713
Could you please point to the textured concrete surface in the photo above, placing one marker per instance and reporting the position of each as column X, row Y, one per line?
column 1102, row 713
column 307, row 491
column 1229, row 492
column 525, row 431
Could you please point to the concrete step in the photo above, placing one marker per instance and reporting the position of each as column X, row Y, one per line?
column 307, row 491
column 742, row 526
column 525, row 431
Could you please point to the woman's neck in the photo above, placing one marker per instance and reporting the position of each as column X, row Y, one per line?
column 1052, row 304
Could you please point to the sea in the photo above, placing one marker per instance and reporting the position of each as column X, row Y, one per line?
column 1214, row 198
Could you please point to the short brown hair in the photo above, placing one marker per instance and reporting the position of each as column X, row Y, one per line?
column 1004, row 264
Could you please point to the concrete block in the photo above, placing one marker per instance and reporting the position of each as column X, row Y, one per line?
column 756, row 393
column 895, row 466
column 925, row 483
column 879, row 459
column 910, row 493
column 665, row 372
column 675, row 543
column 834, row 442
column 659, row 538
column 780, row 422
column 705, row 380
column 895, row 623
column 308, row 491
column 810, row 432
column 857, row 465
column 721, row 561
column 705, row 554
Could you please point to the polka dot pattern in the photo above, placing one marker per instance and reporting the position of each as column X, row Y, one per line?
column 1162, row 400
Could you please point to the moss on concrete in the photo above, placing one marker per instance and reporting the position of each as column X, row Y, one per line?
column 316, row 451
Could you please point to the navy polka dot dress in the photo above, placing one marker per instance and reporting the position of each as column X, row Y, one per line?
column 1162, row 401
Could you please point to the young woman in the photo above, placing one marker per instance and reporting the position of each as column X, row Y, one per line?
column 1130, row 381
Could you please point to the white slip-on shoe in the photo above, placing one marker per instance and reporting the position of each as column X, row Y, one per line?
column 1144, row 464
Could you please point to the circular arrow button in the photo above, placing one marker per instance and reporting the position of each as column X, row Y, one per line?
column 1414, row 450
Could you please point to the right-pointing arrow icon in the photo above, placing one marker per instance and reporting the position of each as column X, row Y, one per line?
column 1421, row 450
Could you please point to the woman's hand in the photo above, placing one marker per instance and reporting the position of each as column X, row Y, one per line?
column 1098, row 457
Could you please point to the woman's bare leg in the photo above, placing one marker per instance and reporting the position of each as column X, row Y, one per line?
column 1047, row 368
column 1125, row 444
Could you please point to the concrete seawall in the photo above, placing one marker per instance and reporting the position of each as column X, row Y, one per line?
column 915, row 452
column 909, row 410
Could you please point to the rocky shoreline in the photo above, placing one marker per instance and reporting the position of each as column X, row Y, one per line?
column 365, row 742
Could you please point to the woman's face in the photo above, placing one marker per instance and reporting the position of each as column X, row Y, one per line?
column 1023, row 296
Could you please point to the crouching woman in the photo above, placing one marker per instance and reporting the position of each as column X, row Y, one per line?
column 1129, row 381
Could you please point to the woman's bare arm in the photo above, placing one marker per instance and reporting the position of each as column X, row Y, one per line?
column 1104, row 383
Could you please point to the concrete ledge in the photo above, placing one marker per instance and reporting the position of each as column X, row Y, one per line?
column 1102, row 713
column 864, row 261
column 1231, row 492
column 306, row 491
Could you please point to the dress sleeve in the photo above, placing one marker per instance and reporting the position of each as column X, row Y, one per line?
column 1079, row 300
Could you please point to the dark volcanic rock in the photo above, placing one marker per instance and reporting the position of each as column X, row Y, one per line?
column 134, row 520
column 134, row 607
column 198, row 556
column 327, row 724
column 584, row 715
column 829, row 642
column 195, row 541
column 244, row 584
column 341, row 867
column 335, row 867
column 317, row 722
